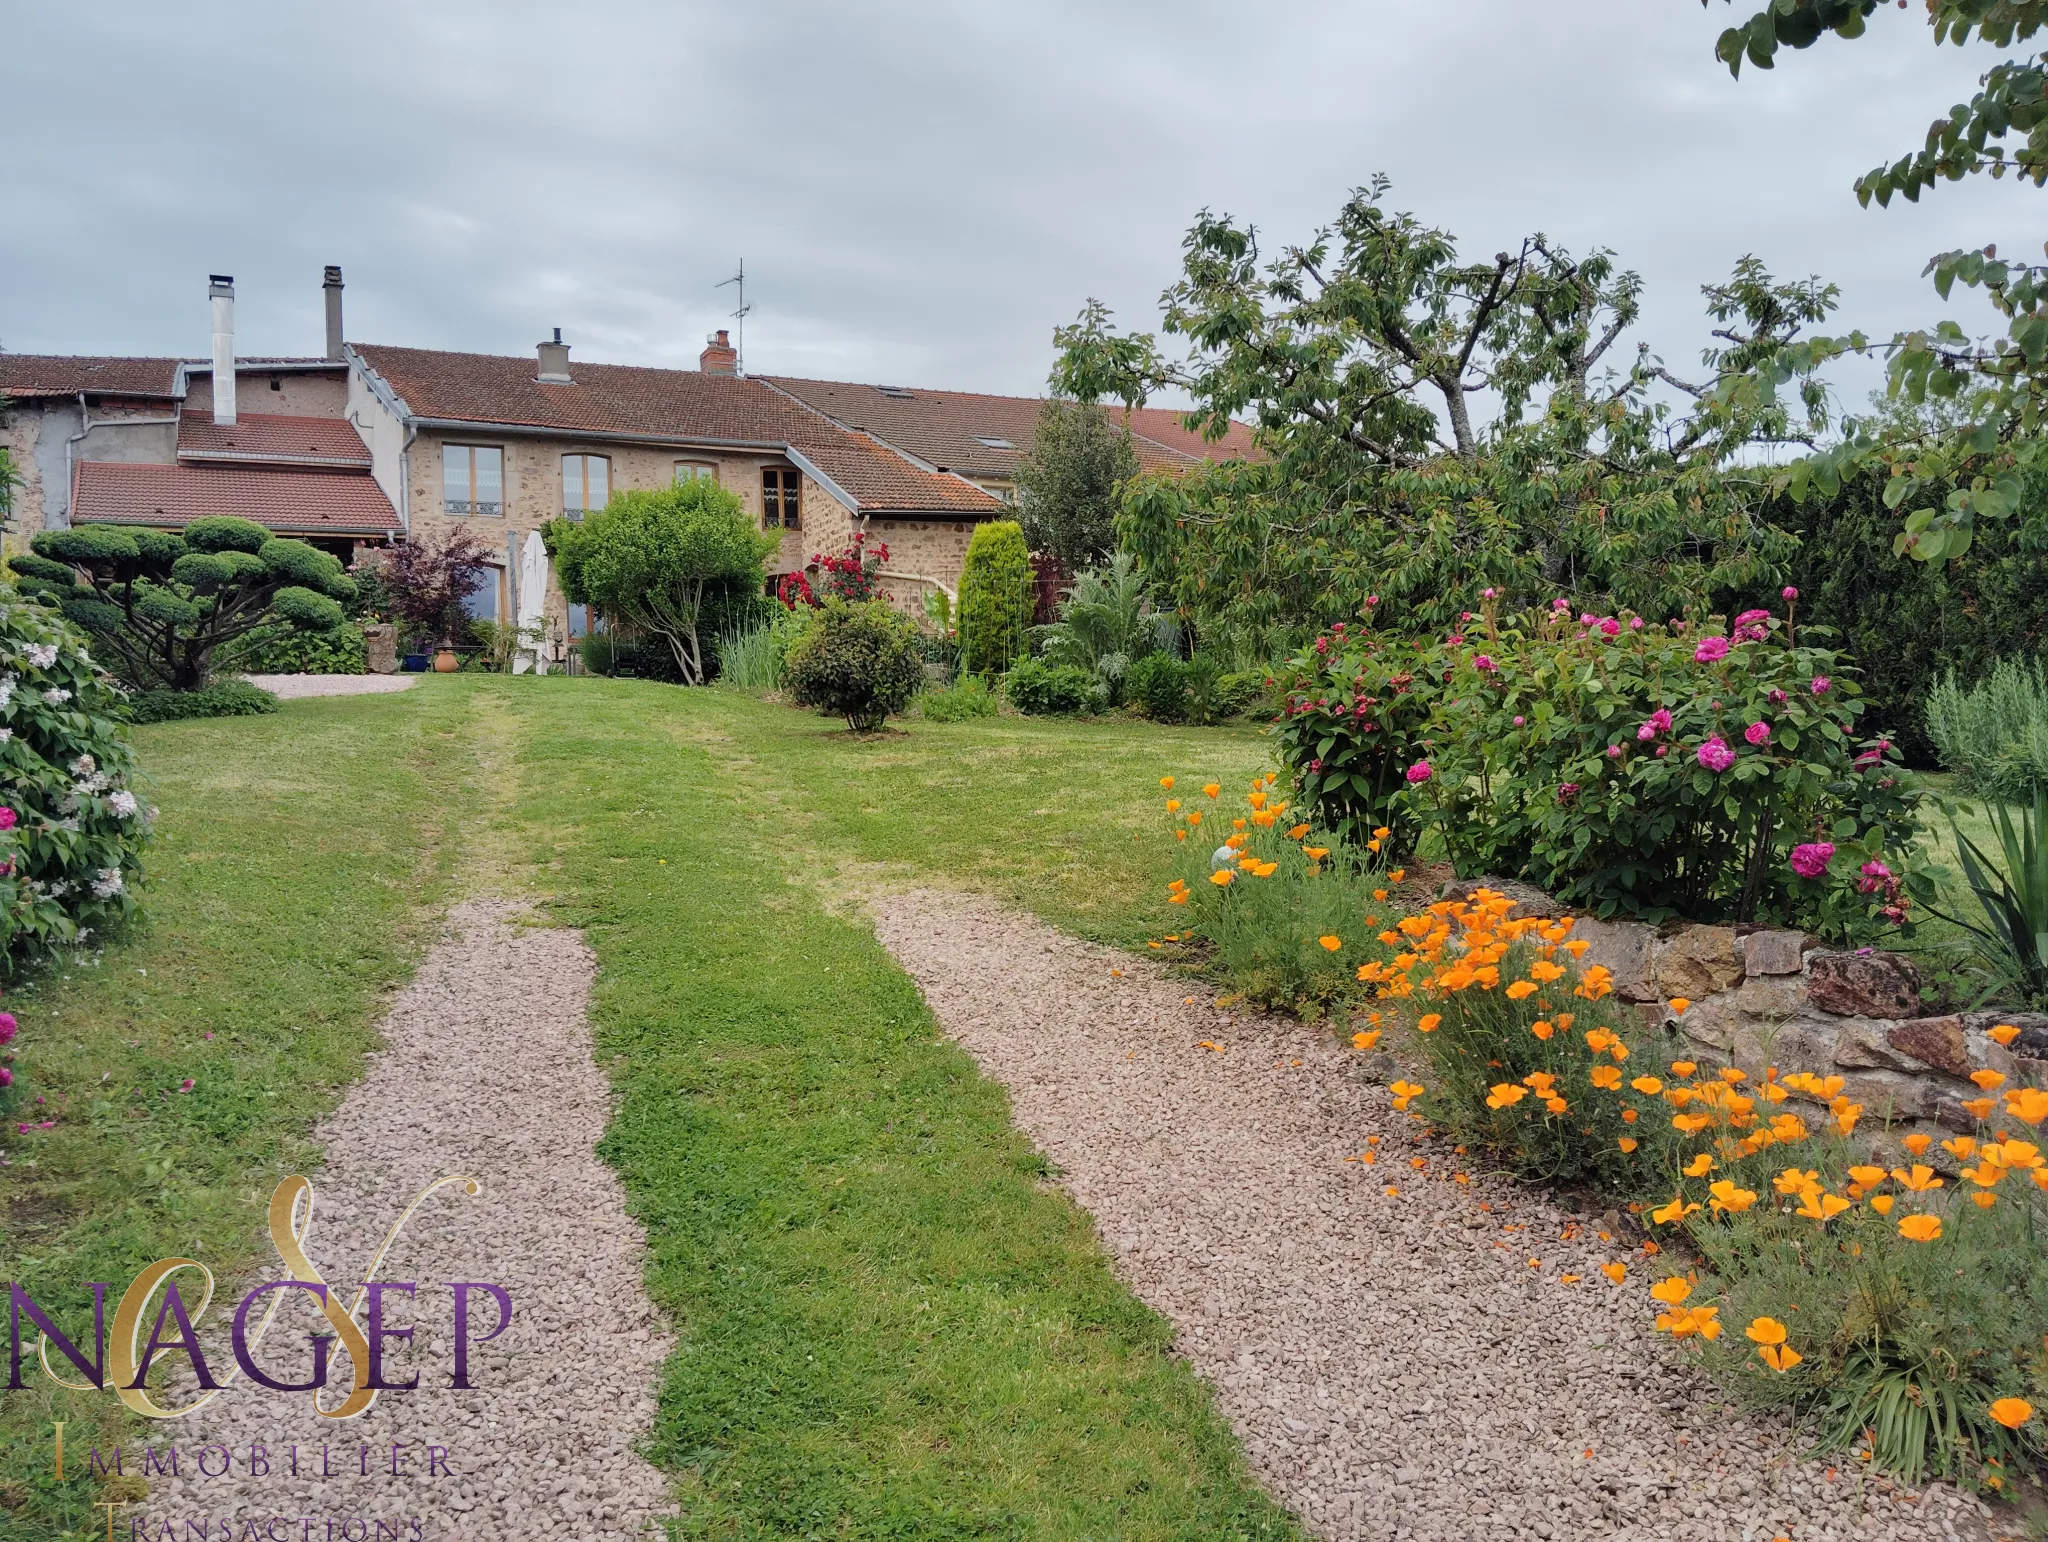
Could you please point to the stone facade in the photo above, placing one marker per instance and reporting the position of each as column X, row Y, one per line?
column 1762, row 997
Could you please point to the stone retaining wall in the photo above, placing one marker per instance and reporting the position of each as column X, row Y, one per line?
column 1761, row 998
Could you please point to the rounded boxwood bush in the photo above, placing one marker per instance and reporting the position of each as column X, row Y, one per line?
column 1039, row 689
column 859, row 662
column 72, row 831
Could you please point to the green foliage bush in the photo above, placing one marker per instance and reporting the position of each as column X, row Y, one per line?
column 162, row 603
column 1994, row 735
column 995, row 597
column 967, row 698
column 223, row 698
column 1039, row 689
column 1656, row 771
column 626, row 655
column 746, row 659
column 859, row 662
column 1158, row 684
column 75, row 829
column 284, row 650
column 1106, row 625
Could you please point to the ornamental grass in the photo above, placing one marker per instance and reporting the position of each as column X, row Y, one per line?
column 1900, row 1308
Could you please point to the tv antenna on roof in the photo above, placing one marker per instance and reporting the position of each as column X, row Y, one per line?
column 739, row 316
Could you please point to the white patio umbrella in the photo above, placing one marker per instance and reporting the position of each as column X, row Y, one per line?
column 533, row 595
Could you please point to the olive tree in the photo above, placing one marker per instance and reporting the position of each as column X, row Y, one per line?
column 159, row 604
column 653, row 560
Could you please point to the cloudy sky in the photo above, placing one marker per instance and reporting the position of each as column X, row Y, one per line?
column 921, row 190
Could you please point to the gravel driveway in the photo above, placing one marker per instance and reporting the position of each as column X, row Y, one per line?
column 1399, row 1365
column 488, row 1072
column 291, row 687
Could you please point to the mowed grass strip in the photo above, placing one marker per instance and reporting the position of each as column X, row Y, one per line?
column 298, row 859
column 890, row 1324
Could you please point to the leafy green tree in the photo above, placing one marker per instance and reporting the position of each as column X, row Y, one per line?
column 1942, row 476
column 161, row 603
column 995, row 597
column 662, row 561
column 1359, row 358
column 1068, row 486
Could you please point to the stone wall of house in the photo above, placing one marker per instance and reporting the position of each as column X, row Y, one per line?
column 1762, row 997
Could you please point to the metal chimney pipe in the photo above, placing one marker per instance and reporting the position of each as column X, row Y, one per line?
column 221, row 287
column 331, row 287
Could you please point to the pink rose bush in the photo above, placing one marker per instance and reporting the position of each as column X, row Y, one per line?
column 1662, row 770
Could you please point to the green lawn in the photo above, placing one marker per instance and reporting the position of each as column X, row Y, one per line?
column 889, row 1323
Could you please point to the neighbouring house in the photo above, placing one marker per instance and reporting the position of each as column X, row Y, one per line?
column 160, row 442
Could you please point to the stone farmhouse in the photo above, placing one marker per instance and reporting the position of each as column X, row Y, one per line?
column 371, row 444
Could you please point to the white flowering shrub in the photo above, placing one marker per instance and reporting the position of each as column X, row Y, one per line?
column 72, row 829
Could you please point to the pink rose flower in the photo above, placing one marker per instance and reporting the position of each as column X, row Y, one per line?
column 1711, row 650
column 1658, row 722
column 1485, row 662
column 6, row 1076
column 1788, row 593
column 1635, row 623
column 8, row 819
column 1518, row 720
column 1420, row 772
column 1567, row 791
column 185, row 1085
column 1758, row 733
column 1812, row 859
column 1560, row 604
column 1455, row 639
column 1715, row 754
column 1663, row 750
column 1611, row 627
column 7, row 1029
column 1822, row 685
column 1614, row 752
column 1775, row 697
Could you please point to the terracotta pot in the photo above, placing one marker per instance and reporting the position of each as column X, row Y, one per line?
column 446, row 663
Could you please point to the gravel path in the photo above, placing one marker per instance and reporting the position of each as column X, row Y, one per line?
column 291, row 687
column 1410, row 1366
column 487, row 1072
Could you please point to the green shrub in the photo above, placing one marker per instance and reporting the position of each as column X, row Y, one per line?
column 1284, row 918
column 223, row 698
column 282, row 650
column 859, row 662
column 1106, row 625
column 1654, row 771
column 74, row 831
column 969, row 697
column 1039, row 689
column 627, row 655
column 1994, row 735
column 995, row 597
column 1158, row 684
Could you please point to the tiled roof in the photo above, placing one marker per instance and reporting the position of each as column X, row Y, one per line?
column 291, row 502
column 672, row 405
column 27, row 375
column 272, row 437
column 953, row 428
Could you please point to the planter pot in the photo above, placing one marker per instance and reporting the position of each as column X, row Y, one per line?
column 415, row 663
column 446, row 663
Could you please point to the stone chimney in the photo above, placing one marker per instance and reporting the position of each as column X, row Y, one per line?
column 330, row 287
column 554, row 361
column 719, row 356
column 221, row 290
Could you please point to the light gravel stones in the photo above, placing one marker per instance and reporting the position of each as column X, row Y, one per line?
column 292, row 687
column 487, row 1071
column 1400, row 1366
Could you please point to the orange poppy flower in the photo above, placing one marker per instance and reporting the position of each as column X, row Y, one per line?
column 1649, row 1086
column 1920, row 1228
column 1919, row 1180
column 1628, row 1143
column 1257, row 800
column 1678, row 1006
column 1365, row 1039
column 1869, row 1177
column 1683, row 1068
column 1917, row 1143
column 1541, row 1029
column 1427, row 1023
column 1504, row 1095
column 2011, row 1412
column 1727, row 1196
column 1297, row 832
column 1520, row 989
column 1607, row 1078
column 1673, row 1213
column 1194, row 816
column 1166, row 782
column 1881, row 1203
column 1765, row 1330
column 1222, row 877
column 1989, row 1081
column 1615, row 1272
column 1979, row 1108
column 1700, row 1166
column 1212, row 788
column 2003, row 1035
column 2029, row 1105
column 1331, row 943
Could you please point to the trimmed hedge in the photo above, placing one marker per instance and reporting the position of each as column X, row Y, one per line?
column 223, row 698
column 1039, row 689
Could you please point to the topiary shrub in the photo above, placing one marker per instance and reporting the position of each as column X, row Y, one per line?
column 995, row 598
column 285, row 650
column 1039, row 689
column 72, row 832
column 859, row 662
column 162, row 603
column 223, row 698
column 1158, row 683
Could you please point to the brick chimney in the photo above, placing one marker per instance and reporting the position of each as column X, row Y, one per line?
column 330, row 290
column 554, row 361
column 719, row 356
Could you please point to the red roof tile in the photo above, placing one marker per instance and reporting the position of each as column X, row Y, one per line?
column 272, row 437
column 291, row 502
column 674, row 406
column 954, row 429
column 27, row 375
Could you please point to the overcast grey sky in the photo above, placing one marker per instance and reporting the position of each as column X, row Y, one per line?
column 921, row 190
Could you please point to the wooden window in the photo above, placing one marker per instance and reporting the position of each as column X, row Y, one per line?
column 482, row 602
column 586, row 484
column 472, row 479
column 781, row 498
column 696, row 471
column 583, row 622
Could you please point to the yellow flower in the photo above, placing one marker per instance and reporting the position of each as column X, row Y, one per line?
column 1615, row 1272
column 1331, row 943
column 1222, row 877
column 1504, row 1095
column 1649, row 1086
column 1700, row 1166
column 1212, row 788
column 1366, row 1039
column 1166, row 782
column 1520, row 989
column 2012, row 1412
column 1315, row 853
column 1920, row 1228
column 1726, row 1196
column 1606, row 1077
column 1989, row 1081
column 2003, row 1035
